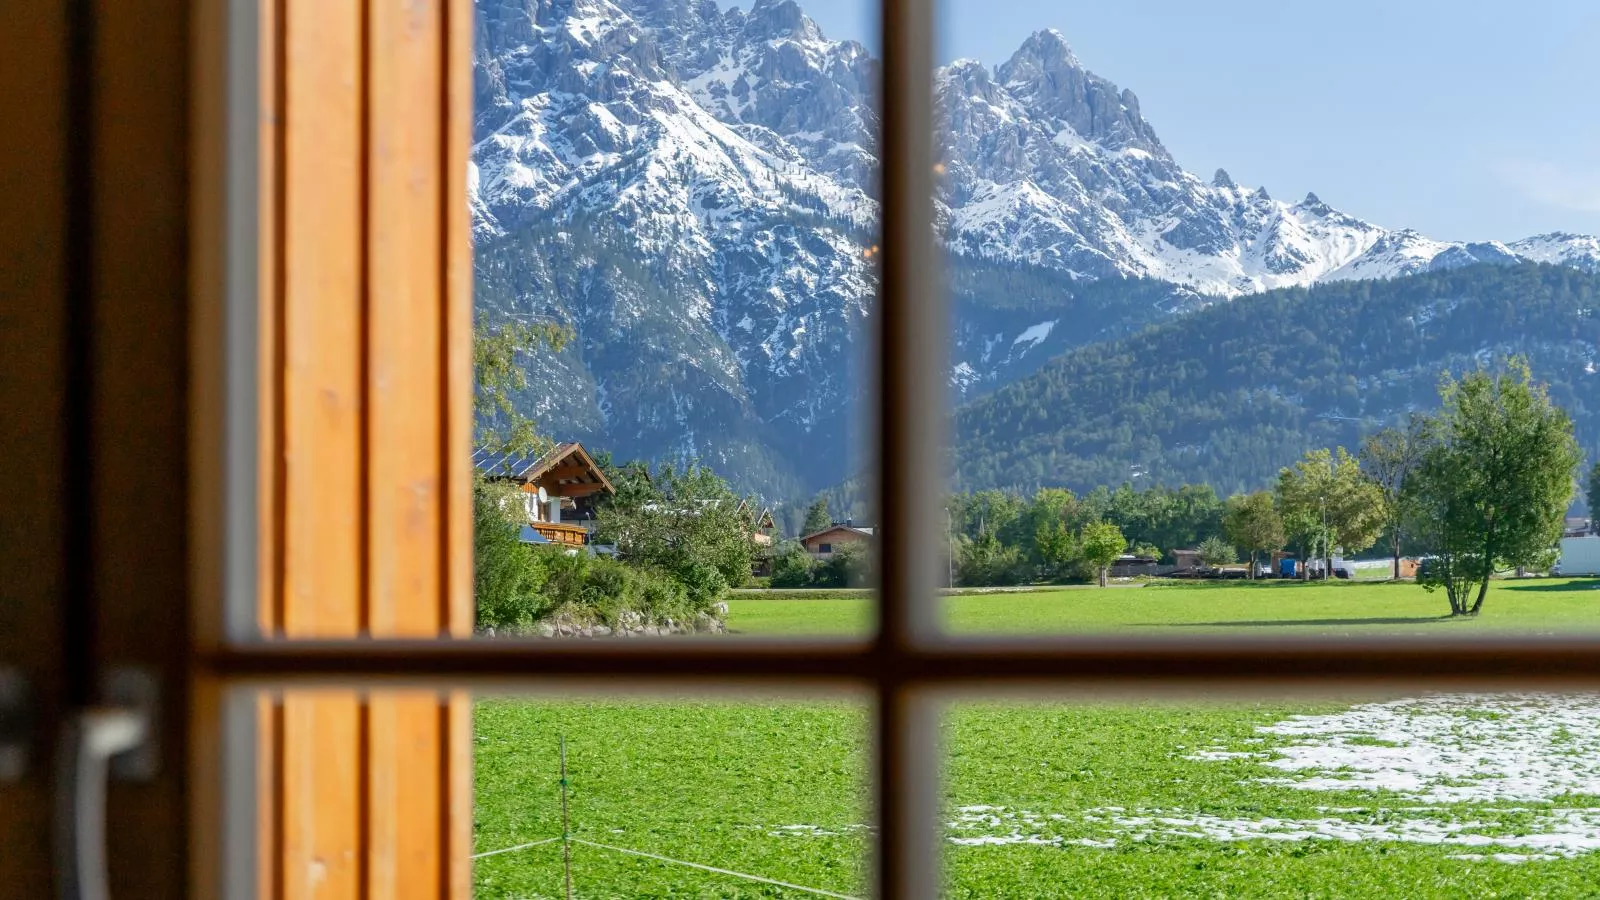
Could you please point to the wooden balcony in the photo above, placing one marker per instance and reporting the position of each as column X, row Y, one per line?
column 556, row 533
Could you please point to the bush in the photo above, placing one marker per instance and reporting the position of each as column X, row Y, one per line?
column 791, row 567
column 592, row 589
column 1215, row 551
column 986, row 563
column 704, row 583
column 504, row 579
column 850, row 566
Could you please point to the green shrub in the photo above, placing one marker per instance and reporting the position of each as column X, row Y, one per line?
column 850, row 566
column 505, row 579
column 519, row 585
column 791, row 567
column 986, row 563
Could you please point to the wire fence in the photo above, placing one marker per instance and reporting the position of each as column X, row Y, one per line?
column 567, row 840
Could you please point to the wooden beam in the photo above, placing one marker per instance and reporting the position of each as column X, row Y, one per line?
column 33, row 553
column 368, row 523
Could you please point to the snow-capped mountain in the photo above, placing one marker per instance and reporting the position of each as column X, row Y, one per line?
column 1049, row 163
column 691, row 189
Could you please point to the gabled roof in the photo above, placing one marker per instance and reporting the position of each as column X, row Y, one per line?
column 840, row 526
column 565, row 463
column 763, row 519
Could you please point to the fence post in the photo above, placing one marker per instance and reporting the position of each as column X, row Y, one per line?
column 566, row 830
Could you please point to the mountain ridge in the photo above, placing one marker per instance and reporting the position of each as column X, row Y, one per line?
column 690, row 188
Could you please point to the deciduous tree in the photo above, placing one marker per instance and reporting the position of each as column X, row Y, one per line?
column 1388, row 458
column 1493, row 491
column 1217, row 551
column 498, row 376
column 683, row 521
column 1326, row 502
column 1252, row 521
column 1101, row 543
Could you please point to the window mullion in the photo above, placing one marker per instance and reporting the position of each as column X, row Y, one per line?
column 911, row 336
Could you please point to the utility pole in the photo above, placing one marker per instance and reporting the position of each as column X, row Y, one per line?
column 950, row 549
column 1327, row 545
column 566, row 828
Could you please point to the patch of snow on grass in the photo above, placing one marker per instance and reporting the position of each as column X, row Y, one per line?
column 1458, row 748
column 1553, row 835
column 1438, row 751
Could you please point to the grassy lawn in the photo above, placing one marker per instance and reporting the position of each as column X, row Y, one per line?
column 1393, row 797
column 1089, row 800
column 1274, row 607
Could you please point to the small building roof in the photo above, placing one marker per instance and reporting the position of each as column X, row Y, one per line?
column 565, row 470
column 867, row 530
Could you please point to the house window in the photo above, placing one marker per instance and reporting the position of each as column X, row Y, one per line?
column 824, row 548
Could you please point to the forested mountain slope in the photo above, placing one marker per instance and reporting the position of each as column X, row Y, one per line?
column 1231, row 393
column 691, row 188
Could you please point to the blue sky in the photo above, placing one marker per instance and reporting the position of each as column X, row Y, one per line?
column 1468, row 120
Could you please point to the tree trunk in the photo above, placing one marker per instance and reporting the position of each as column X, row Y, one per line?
column 1252, row 565
column 1483, row 591
column 1102, row 576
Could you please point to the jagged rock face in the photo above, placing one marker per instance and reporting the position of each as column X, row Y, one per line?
column 691, row 190
column 713, row 272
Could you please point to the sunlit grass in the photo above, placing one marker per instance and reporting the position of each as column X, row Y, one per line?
column 1551, row 605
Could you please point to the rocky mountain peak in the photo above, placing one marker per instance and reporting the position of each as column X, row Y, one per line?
column 691, row 188
column 780, row 20
column 1047, row 77
column 1044, row 52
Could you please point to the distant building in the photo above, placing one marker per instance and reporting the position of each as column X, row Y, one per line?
column 1129, row 565
column 764, row 534
column 559, row 490
column 824, row 543
column 1580, row 555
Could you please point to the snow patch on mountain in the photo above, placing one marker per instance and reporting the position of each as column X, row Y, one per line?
column 692, row 189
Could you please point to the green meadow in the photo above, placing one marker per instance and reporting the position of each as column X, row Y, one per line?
column 1264, row 607
column 1399, row 796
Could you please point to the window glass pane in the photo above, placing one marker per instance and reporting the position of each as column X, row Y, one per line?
column 1210, row 325
column 1431, row 795
column 349, row 793
column 670, row 797
column 675, row 223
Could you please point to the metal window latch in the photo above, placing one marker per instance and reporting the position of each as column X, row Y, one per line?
column 97, row 742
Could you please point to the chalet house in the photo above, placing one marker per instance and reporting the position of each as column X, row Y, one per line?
column 559, row 490
column 822, row 544
column 763, row 533
column 763, row 530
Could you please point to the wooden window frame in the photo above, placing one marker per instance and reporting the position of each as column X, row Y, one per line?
column 907, row 666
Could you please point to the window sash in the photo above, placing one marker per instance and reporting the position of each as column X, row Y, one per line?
column 905, row 664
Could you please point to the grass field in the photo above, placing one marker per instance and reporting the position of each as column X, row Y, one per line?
column 1395, row 797
column 1276, row 607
